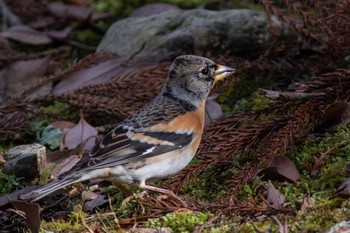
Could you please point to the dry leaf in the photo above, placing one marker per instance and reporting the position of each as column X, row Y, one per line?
column 64, row 160
column 59, row 35
column 344, row 189
column 100, row 73
column 337, row 113
column 32, row 213
column 87, row 195
column 281, row 167
column 96, row 200
column 55, row 157
column 274, row 197
column 63, row 125
column 62, row 10
column 79, row 134
column 21, row 75
column 27, row 35
column 64, row 165
column 213, row 111
column 8, row 54
column 305, row 203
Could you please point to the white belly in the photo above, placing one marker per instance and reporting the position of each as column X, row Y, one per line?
column 162, row 166
column 159, row 166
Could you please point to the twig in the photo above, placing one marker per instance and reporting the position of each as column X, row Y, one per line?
column 291, row 95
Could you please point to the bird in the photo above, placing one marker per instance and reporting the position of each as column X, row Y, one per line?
column 156, row 141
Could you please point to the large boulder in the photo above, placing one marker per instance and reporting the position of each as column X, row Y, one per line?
column 166, row 35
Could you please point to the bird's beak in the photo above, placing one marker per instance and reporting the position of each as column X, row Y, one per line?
column 222, row 72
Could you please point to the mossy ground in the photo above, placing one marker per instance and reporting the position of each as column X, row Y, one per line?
column 317, row 181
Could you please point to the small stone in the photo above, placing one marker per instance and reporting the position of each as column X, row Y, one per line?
column 26, row 161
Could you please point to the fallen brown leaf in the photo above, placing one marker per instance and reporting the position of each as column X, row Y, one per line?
column 63, row 125
column 63, row 160
column 281, row 167
column 344, row 189
column 32, row 213
column 64, row 165
column 19, row 76
column 213, row 111
column 27, row 35
column 336, row 114
column 305, row 203
column 274, row 197
column 93, row 200
column 59, row 34
column 62, row 10
column 80, row 133
column 95, row 74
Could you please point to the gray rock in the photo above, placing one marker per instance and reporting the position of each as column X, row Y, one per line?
column 26, row 161
column 169, row 34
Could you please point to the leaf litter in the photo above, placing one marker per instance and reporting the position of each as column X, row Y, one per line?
column 83, row 133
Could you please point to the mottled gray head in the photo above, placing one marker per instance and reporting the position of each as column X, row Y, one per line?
column 192, row 77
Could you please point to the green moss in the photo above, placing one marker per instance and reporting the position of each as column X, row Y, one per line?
column 249, row 226
column 210, row 185
column 56, row 107
column 320, row 182
column 8, row 183
column 45, row 175
column 240, row 96
column 50, row 114
column 60, row 225
column 254, row 102
column 87, row 37
column 76, row 221
column 180, row 222
column 320, row 218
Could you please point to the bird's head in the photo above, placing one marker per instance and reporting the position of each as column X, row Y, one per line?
column 191, row 78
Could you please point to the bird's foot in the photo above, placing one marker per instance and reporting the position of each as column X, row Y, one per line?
column 137, row 196
column 163, row 191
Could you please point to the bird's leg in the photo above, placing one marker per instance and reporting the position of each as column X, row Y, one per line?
column 134, row 196
column 143, row 185
column 130, row 195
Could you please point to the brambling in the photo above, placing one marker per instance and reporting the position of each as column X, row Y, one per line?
column 158, row 140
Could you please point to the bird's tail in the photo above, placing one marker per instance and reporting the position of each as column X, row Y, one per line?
column 48, row 189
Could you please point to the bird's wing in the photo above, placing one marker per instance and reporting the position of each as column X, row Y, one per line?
column 123, row 145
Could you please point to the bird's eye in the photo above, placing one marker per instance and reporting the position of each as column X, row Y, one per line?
column 205, row 71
